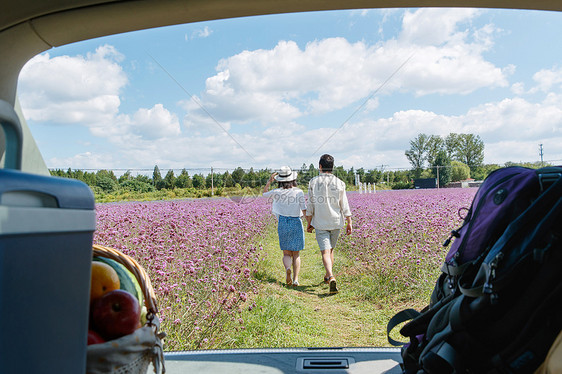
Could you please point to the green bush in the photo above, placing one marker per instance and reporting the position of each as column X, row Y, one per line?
column 459, row 171
column 402, row 186
column 106, row 183
column 137, row 186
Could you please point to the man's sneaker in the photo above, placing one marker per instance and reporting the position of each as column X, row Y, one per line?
column 333, row 285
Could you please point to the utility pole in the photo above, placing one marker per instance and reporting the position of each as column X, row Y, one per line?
column 212, row 184
column 541, row 154
column 437, row 166
column 382, row 172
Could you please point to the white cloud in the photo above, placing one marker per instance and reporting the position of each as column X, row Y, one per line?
column 546, row 79
column 286, row 82
column 366, row 143
column 85, row 91
column 360, row 12
column 522, row 120
column 526, row 124
column 433, row 26
column 86, row 160
column 202, row 33
column 199, row 120
column 145, row 124
column 518, row 88
column 525, row 150
column 68, row 89
column 205, row 32
column 154, row 123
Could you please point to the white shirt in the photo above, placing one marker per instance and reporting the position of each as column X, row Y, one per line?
column 327, row 202
column 288, row 202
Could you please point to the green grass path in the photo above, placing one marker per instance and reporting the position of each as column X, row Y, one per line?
column 307, row 315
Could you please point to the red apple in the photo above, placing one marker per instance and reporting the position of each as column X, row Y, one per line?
column 94, row 338
column 115, row 314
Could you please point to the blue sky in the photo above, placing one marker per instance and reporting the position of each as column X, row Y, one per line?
column 284, row 89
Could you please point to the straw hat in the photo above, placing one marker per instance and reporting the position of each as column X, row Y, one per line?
column 286, row 174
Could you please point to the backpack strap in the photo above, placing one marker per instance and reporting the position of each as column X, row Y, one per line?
column 548, row 175
column 443, row 358
column 398, row 318
column 420, row 320
column 453, row 270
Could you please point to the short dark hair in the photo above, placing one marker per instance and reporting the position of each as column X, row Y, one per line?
column 287, row 184
column 327, row 163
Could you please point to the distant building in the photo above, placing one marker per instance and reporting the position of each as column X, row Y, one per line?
column 425, row 183
column 465, row 183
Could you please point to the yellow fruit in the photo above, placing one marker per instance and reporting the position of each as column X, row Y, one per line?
column 104, row 279
column 127, row 280
column 143, row 319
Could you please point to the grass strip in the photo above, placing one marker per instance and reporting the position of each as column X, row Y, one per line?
column 307, row 315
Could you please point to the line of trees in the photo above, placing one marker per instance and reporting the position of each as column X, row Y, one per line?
column 431, row 157
column 105, row 181
column 451, row 158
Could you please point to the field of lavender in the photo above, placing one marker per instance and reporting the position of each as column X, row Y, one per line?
column 200, row 256
column 203, row 256
column 397, row 241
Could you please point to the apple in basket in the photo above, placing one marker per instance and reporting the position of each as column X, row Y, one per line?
column 115, row 314
column 94, row 338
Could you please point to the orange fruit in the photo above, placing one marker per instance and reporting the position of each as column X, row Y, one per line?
column 104, row 279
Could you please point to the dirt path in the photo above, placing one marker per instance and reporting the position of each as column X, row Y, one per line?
column 343, row 320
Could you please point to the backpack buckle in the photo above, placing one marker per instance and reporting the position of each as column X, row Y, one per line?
column 491, row 274
column 454, row 233
column 547, row 179
column 450, row 283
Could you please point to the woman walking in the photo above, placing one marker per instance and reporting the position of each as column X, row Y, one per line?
column 288, row 206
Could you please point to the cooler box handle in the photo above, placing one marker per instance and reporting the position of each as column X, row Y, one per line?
column 14, row 140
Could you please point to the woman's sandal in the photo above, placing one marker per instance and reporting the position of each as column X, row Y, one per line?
column 295, row 283
column 288, row 279
column 326, row 280
column 333, row 285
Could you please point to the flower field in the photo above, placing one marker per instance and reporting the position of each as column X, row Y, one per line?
column 201, row 255
column 397, row 240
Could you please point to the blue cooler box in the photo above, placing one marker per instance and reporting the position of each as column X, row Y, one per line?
column 46, row 233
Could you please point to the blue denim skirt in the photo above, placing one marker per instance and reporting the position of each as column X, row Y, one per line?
column 291, row 233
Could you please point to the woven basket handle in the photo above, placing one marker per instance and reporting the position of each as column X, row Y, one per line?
column 139, row 273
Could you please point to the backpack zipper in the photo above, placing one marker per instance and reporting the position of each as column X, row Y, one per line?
column 480, row 203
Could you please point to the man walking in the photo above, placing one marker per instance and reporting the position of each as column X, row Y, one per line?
column 327, row 207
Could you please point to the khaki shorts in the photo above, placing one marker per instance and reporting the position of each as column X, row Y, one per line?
column 327, row 239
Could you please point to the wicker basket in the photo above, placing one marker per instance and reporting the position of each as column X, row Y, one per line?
column 135, row 352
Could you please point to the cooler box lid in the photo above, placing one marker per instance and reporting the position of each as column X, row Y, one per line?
column 32, row 203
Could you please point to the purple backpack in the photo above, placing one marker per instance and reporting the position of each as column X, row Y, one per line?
column 501, row 198
column 496, row 306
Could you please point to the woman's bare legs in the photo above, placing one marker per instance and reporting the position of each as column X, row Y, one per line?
column 296, row 266
column 287, row 262
column 292, row 258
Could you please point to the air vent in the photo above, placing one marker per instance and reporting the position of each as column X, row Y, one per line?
column 323, row 364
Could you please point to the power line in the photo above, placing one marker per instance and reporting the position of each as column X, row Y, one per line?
column 364, row 103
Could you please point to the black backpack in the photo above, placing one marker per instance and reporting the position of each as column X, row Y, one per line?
column 497, row 306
